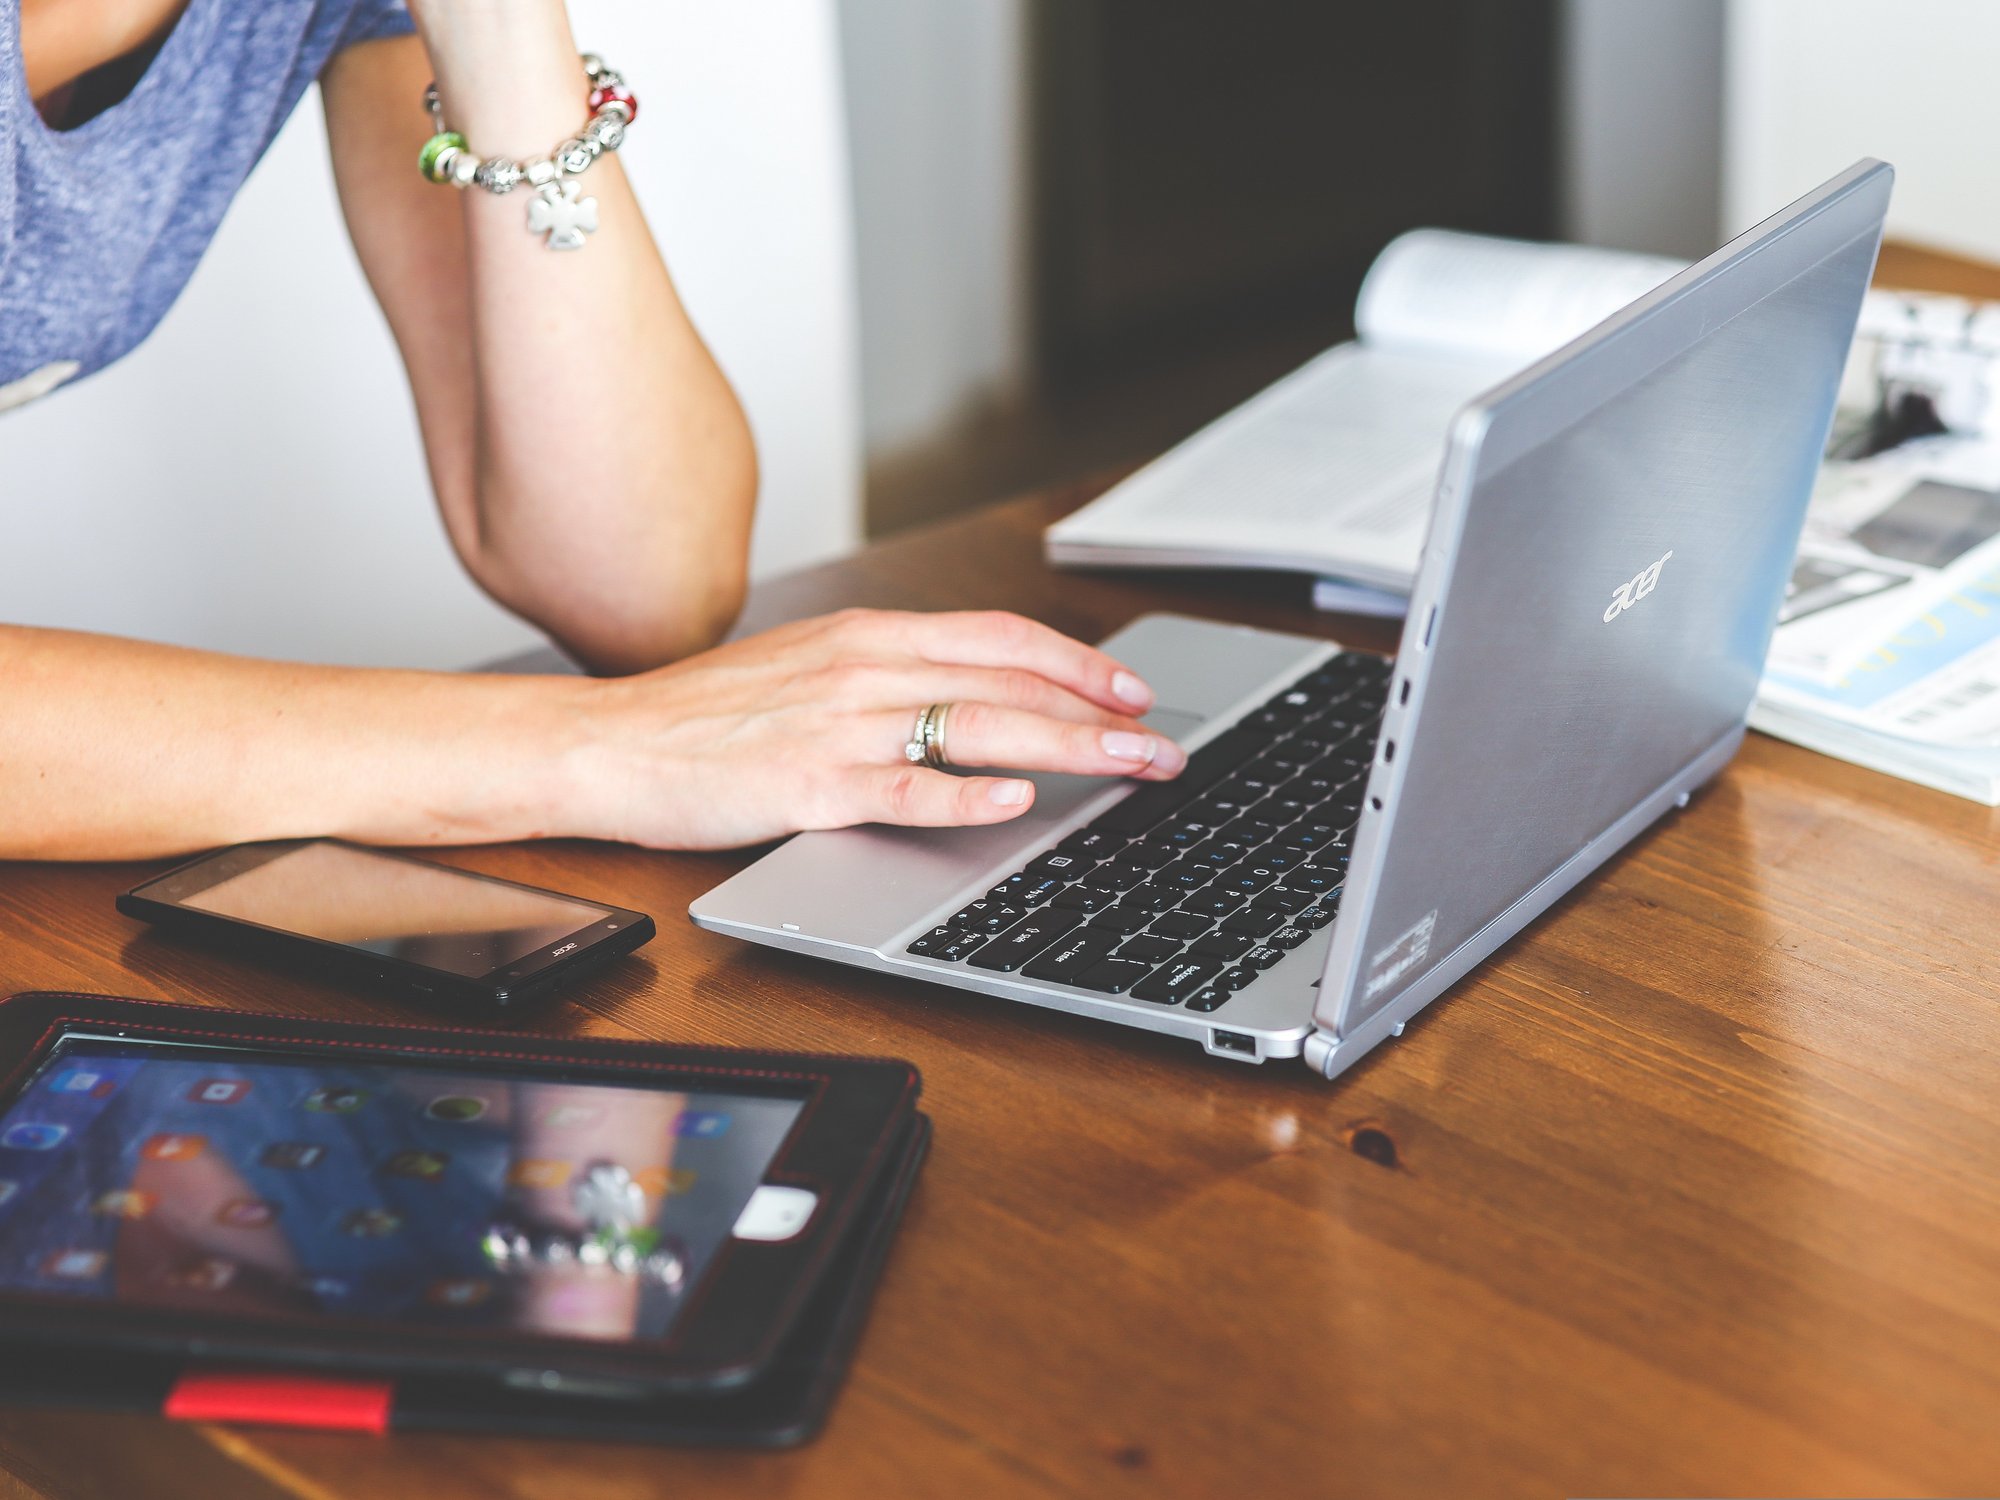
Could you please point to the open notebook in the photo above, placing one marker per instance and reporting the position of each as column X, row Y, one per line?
column 1330, row 471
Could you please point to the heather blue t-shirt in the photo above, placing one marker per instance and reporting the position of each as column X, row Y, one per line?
column 101, row 226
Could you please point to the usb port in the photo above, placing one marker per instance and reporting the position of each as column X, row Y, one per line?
column 1233, row 1041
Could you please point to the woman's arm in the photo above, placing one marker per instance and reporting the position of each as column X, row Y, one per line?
column 594, row 469
column 114, row 749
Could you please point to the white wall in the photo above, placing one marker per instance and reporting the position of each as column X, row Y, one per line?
column 1640, row 112
column 936, row 102
column 250, row 478
column 1915, row 82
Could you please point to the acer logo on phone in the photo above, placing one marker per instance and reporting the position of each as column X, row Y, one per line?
column 1628, row 594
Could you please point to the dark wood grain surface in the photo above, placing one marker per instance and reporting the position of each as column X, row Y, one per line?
column 1695, row 1189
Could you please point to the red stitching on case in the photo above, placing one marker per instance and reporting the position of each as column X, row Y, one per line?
column 281, row 1400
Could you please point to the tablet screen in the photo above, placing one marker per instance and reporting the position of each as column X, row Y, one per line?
column 249, row 1182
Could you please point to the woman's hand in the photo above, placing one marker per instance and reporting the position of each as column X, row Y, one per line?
column 804, row 727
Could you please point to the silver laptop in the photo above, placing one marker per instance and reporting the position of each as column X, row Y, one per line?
column 1612, row 534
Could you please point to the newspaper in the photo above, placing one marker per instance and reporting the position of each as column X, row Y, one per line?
column 1888, row 645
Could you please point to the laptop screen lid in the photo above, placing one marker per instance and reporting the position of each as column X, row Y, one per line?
column 1608, row 552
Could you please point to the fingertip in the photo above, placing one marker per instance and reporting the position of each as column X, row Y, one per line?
column 1013, row 795
column 1128, row 689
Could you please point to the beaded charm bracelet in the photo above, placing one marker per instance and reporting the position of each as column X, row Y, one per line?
column 556, row 210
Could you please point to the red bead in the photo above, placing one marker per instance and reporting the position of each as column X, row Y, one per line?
column 601, row 97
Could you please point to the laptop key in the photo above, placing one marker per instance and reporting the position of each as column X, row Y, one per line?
column 1063, row 960
column 1151, row 949
column 1235, row 979
column 1219, row 852
column 1180, row 835
column 1064, row 867
column 1095, row 843
column 1023, row 890
column 1262, row 956
column 1283, row 857
column 1083, row 898
column 947, row 943
column 1221, row 945
column 1151, row 898
column 1113, row 976
column 1272, row 721
column 1185, row 876
column 988, row 916
column 1118, row 876
column 1314, row 917
column 1252, row 923
column 1153, row 802
column 1184, row 925
column 1149, row 855
column 1122, row 919
column 1310, row 880
column 1213, row 904
column 1287, row 938
column 1172, row 983
column 1248, row 831
column 1282, row 901
column 1025, row 939
column 1208, row 997
column 1246, row 879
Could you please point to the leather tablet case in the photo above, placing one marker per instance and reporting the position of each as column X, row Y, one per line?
column 783, row 1407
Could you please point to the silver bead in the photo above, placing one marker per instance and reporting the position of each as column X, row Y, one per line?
column 593, row 65
column 465, row 170
column 574, row 156
column 607, row 131
column 615, row 109
column 541, row 172
column 500, row 175
column 445, row 163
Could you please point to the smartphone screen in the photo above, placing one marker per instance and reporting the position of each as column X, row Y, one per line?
column 419, row 913
column 248, row 1182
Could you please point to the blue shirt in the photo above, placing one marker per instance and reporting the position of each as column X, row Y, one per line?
column 101, row 226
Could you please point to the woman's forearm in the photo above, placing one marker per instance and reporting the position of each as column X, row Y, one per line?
column 607, row 446
column 114, row 749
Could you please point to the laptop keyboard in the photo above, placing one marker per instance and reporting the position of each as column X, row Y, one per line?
column 1187, row 890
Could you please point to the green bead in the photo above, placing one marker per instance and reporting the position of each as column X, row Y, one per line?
column 427, row 159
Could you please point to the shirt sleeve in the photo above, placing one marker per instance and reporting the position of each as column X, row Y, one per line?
column 371, row 20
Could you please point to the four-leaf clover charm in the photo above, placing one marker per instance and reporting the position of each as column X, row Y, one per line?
column 560, row 214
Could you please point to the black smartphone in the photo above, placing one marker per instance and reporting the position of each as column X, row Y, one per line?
column 463, row 1214
column 415, row 928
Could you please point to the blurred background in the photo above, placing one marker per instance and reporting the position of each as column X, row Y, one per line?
column 953, row 249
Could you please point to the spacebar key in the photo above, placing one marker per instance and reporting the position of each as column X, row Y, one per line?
column 1025, row 939
column 1157, row 799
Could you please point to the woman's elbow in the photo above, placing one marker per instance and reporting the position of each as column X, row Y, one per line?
column 619, row 637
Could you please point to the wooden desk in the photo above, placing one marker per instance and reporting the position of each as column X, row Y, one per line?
column 1694, row 1189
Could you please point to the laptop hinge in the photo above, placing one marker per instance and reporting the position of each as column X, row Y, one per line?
column 1319, row 1050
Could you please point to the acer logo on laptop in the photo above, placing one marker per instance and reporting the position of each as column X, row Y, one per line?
column 1628, row 594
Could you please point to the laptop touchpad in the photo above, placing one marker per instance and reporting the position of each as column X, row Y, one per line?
column 1174, row 723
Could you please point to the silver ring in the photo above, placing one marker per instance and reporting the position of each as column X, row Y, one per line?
column 934, row 755
column 926, row 742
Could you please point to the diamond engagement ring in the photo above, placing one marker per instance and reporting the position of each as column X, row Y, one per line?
column 926, row 742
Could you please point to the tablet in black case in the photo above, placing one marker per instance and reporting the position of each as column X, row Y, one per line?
column 747, row 1348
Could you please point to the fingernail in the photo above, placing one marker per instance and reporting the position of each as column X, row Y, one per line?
column 1009, row 793
column 1131, row 690
column 1170, row 758
column 1128, row 746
